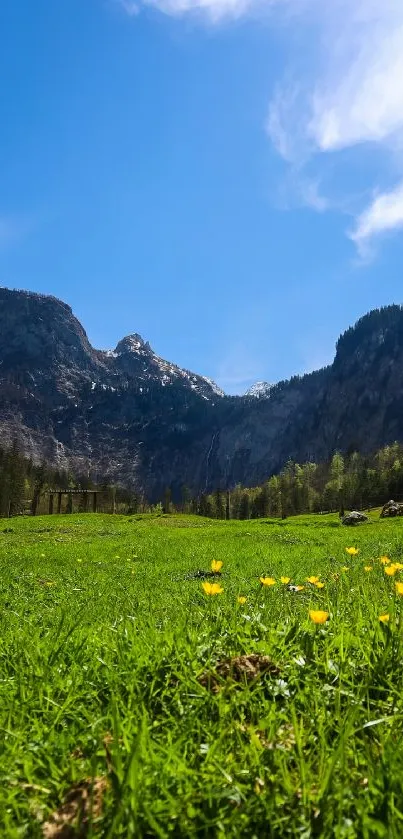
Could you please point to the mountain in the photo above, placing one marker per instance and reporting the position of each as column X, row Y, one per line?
column 260, row 390
column 130, row 416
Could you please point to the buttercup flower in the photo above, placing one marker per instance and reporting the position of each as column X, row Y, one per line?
column 352, row 551
column 319, row 585
column 317, row 616
column 399, row 588
column 241, row 599
column 390, row 570
column 285, row 580
column 384, row 618
column 368, row 567
column 212, row 588
column 216, row 565
column 267, row 581
column 312, row 580
column 385, row 560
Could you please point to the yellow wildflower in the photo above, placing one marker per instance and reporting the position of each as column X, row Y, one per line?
column 317, row 616
column 312, row 580
column 267, row 581
column 384, row 618
column 319, row 585
column 352, row 551
column 390, row 570
column 300, row 588
column 285, row 580
column 241, row 599
column 368, row 567
column 212, row 588
column 399, row 588
column 345, row 568
column 398, row 566
column 385, row 560
column 216, row 565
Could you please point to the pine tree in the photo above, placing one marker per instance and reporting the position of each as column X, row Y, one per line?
column 16, row 479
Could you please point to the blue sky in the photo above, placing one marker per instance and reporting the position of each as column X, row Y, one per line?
column 224, row 177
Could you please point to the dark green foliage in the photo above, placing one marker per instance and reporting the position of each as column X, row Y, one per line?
column 348, row 482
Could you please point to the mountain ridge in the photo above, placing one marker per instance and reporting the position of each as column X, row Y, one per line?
column 139, row 420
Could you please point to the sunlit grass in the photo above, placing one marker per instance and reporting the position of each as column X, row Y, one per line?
column 107, row 629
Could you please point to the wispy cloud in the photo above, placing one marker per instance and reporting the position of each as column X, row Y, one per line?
column 348, row 93
column 384, row 215
column 129, row 6
column 215, row 10
column 237, row 369
column 352, row 96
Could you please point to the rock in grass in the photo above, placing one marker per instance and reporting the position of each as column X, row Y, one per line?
column 391, row 509
column 354, row 518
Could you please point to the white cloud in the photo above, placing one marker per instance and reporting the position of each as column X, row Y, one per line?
column 349, row 66
column 363, row 101
column 311, row 196
column 215, row 10
column 351, row 95
column 129, row 6
column 384, row 215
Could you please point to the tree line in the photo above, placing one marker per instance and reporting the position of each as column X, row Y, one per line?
column 24, row 485
column 343, row 483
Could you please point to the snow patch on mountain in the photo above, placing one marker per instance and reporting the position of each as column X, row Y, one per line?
column 260, row 390
column 156, row 368
column 214, row 387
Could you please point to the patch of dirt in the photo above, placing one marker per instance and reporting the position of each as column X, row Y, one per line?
column 242, row 668
column 202, row 575
column 83, row 804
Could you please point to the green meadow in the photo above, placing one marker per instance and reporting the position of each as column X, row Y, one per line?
column 118, row 718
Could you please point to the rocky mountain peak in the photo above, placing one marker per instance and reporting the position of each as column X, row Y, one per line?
column 132, row 344
column 378, row 333
column 260, row 390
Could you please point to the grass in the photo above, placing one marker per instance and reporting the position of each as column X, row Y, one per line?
column 105, row 633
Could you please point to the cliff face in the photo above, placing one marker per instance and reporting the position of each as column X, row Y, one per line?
column 144, row 422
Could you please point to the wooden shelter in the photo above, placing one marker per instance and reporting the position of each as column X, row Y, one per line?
column 85, row 494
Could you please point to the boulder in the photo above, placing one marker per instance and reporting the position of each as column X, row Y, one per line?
column 391, row 509
column 354, row 518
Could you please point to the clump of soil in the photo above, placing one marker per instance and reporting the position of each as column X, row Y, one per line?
column 202, row 575
column 241, row 669
column 82, row 805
